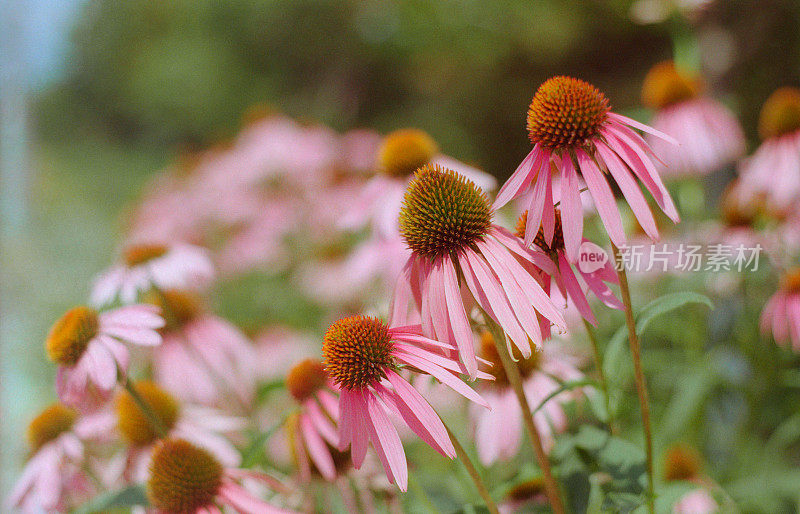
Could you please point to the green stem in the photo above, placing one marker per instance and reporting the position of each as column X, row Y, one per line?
column 149, row 413
column 515, row 379
column 422, row 493
column 473, row 473
column 598, row 361
column 641, row 385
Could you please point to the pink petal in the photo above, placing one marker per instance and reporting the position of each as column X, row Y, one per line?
column 603, row 199
column 571, row 208
column 443, row 376
column 317, row 449
column 518, row 182
column 386, row 442
column 644, row 128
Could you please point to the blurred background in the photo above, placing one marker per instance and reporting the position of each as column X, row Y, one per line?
column 98, row 95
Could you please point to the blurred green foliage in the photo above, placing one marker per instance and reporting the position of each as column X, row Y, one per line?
column 184, row 71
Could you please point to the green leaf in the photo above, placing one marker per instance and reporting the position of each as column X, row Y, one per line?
column 690, row 393
column 256, row 447
column 125, row 498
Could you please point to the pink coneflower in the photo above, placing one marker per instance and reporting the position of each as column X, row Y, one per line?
column 498, row 431
column 363, row 357
column 203, row 358
column 709, row 134
column 568, row 282
column 178, row 266
column 312, row 431
column 186, row 479
column 774, row 169
column 781, row 314
column 447, row 222
column 575, row 133
column 56, row 438
column 87, row 346
column 401, row 153
column 200, row 425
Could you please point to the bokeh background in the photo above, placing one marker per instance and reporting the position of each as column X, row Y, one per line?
column 97, row 95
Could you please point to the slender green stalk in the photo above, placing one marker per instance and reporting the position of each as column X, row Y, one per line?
column 473, row 473
column 515, row 379
column 641, row 385
column 422, row 493
column 148, row 411
column 598, row 361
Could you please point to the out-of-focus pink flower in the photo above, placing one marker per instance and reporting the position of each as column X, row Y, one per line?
column 575, row 133
column 313, row 430
column 202, row 426
column 781, row 314
column 278, row 348
column 184, row 478
column 54, row 472
column 447, row 222
column 773, row 171
column 87, row 346
column 571, row 286
column 203, row 358
column 498, row 430
column 698, row 501
column 709, row 134
column 361, row 355
column 178, row 266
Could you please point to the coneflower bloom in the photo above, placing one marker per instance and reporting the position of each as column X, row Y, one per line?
column 312, row 431
column 363, row 357
column 401, row 153
column 87, row 346
column 56, row 439
column 178, row 266
column 447, row 222
column 774, row 169
column 683, row 463
column 203, row 358
column 201, row 426
column 781, row 314
column 568, row 282
column 498, row 431
column 708, row 132
column 574, row 133
column 186, row 479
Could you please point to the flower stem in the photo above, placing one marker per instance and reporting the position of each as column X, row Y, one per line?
column 641, row 385
column 473, row 473
column 515, row 379
column 151, row 416
column 598, row 361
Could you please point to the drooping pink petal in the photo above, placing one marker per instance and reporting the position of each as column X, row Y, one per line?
column 518, row 182
column 644, row 128
column 538, row 205
column 420, row 416
column 574, row 290
column 238, row 498
column 571, row 208
column 442, row 375
column 386, row 441
column 631, row 190
column 459, row 322
column 603, row 198
column 316, row 449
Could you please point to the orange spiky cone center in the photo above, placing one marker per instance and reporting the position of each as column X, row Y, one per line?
column 665, row 85
column 49, row 424
column 133, row 423
column 682, row 463
column 489, row 352
column 443, row 213
column 566, row 112
column 558, row 235
column 306, row 378
column 780, row 114
column 70, row 335
column 358, row 352
column 404, row 151
column 183, row 477
column 139, row 254
column 791, row 280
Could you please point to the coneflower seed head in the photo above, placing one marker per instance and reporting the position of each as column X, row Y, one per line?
column 665, row 85
column 70, row 335
column 139, row 254
column 133, row 424
column 405, row 150
column 780, row 114
column 358, row 351
column 566, row 112
column 443, row 212
column 558, row 235
column 306, row 378
column 183, row 477
column 49, row 424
